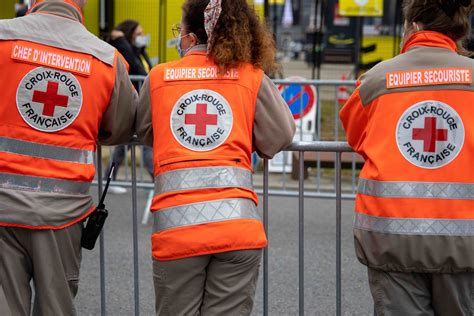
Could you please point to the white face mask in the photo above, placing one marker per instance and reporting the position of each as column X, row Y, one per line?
column 182, row 52
column 142, row 41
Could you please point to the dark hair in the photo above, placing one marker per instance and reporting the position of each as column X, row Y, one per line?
column 239, row 36
column 128, row 27
column 449, row 17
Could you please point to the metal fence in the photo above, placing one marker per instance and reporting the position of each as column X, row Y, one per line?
column 325, row 126
column 135, row 180
column 337, row 148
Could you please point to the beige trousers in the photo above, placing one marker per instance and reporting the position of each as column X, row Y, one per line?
column 211, row 285
column 51, row 258
column 422, row 294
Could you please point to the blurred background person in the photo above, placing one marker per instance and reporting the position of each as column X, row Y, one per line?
column 20, row 9
column 130, row 40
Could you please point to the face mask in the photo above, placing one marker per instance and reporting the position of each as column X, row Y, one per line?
column 182, row 52
column 142, row 41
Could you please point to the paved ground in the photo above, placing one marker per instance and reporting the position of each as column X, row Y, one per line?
column 320, row 272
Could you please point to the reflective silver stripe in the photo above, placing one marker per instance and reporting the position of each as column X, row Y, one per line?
column 414, row 226
column 205, row 212
column 40, row 184
column 21, row 147
column 433, row 190
column 203, row 178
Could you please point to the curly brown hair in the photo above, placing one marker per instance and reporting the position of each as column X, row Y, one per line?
column 239, row 36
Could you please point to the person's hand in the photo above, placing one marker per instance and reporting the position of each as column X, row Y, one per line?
column 116, row 34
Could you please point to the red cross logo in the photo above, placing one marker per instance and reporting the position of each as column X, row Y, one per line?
column 201, row 119
column 430, row 135
column 51, row 99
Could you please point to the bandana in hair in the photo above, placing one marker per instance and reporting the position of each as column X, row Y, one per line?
column 211, row 15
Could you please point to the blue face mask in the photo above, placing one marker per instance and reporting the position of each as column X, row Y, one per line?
column 182, row 52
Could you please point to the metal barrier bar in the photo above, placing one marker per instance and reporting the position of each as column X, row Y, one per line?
column 336, row 117
column 142, row 161
column 301, row 234
column 319, row 146
column 103, row 307
column 135, row 232
column 314, row 82
column 265, row 225
column 338, row 233
column 318, row 138
column 317, row 82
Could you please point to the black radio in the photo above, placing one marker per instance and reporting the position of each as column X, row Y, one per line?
column 96, row 220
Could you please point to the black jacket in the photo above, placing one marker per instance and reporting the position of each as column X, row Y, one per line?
column 132, row 56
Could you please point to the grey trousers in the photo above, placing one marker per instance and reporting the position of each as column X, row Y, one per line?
column 51, row 258
column 218, row 284
column 422, row 294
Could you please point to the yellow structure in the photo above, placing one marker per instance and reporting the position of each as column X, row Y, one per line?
column 384, row 49
column 91, row 16
column 157, row 18
column 7, row 9
column 361, row 7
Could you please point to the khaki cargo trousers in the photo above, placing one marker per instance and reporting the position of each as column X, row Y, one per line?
column 210, row 285
column 422, row 294
column 51, row 259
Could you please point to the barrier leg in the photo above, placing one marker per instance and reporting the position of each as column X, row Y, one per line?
column 301, row 234
column 338, row 234
column 103, row 307
column 265, row 225
column 135, row 233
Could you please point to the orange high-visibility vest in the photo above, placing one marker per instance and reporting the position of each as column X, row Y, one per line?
column 202, row 129
column 412, row 118
column 52, row 105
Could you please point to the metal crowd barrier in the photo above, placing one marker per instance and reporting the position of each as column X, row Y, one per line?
column 300, row 147
column 315, row 145
column 327, row 94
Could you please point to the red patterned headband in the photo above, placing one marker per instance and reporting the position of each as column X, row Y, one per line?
column 211, row 16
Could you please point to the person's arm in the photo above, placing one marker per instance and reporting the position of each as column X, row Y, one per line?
column 144, row 121
column 117, row 126
column 274, row 126
column 354, row 117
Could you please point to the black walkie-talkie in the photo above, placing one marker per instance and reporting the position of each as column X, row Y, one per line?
column 96, row 220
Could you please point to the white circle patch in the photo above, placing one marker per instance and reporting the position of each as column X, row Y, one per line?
column 430, row 134
column 201, row 120
column 49, row 100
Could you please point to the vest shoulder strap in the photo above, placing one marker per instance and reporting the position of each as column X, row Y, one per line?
column 57, row 32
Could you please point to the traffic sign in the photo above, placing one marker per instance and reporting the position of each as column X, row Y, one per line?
column 301, row 100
